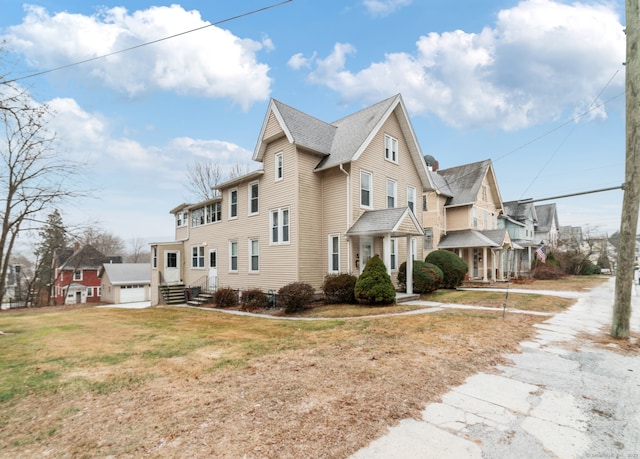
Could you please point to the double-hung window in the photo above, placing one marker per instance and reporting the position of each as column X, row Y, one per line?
column 392, row 191
column 390, row 148
column 279, row 220
column 233, row 203
column 365, row 189
column 428, row 238
column 233, row 256
column 77, row 275
column 254, row 256
column 279, row 166
column 197, row 256
column 411, row 198
column 253, row 198
column 334, row 253
column 197, row 216
column 393, row 252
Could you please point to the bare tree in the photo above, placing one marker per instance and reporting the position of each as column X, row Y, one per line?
column 32, row 177
column 139, row 252
column 106, row 243
column 202, row 178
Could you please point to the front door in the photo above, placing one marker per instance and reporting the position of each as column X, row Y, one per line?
column 366, row 251
column 213, row 269
column 172, row 266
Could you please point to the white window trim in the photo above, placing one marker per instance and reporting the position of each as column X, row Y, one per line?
column 203, row 216
column 280, row 212
column 230, row 194
column 412, row 190
column 249, row 198
column 210, row 214
column 89, row 291
column 278, row 172
column 251, row 255
column 77, row 278
column 231, row 244
column 395, row 194
column 393, row 248
column 331, row 253
column 154, row 257
column 391, row 154
column 198, row 256
column 370, row 174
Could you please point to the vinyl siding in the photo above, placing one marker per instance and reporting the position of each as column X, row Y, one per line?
column 334, row 216
column 309, row 224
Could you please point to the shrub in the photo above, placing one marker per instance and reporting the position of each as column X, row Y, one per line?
column 374, row 286
column 426, row 276
column 544, row 272
column 254, row 299
column 339, row 288
column 225, row 297
column 453, row 267
column 295, row 296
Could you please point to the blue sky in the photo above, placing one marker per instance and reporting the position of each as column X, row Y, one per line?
column 537, row 86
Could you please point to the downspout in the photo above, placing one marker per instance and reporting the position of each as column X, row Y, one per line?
column 348, row 216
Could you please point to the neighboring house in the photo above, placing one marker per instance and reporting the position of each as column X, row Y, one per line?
column 125, row 282
column 520, row 220
column 76, row 275
column 547, row 228
column 571, row 238
column 460, row 213
column 327, row 198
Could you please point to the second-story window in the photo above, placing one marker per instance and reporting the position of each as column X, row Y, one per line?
column 253, row 198
column 411, row 198
column 214, row 212
column 365, row 189
column 77, row 275
column 233, row 203
column 279, row 172
column 390, row 148
column 197, row 216
column 392, row 191
column 279, row 226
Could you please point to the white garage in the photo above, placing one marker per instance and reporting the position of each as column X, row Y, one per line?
column 125, row 282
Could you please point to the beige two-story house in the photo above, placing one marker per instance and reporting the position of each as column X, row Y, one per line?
column 460, row 214
column 326, row 198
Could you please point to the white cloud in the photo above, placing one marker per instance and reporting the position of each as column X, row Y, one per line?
column 298, row 61
column 384, row 7
column 541, row 60
column 211, row 62
column 88, row 138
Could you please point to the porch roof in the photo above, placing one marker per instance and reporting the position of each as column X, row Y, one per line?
column 396, row 222
column 467, row 239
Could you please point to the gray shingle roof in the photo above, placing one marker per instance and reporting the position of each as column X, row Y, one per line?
column 519, row 210
column 305, row 130
column 383, row 221
column 546, row 214
column 464, row 181
column 127, row 273
column 465, row 239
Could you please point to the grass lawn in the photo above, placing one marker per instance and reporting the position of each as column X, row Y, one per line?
column 180, row 382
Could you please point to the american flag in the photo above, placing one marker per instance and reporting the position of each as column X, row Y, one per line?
column 541, row 254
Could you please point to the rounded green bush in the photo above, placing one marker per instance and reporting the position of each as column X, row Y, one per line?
column 426, row 277
column 374, row 286
column 453, row 267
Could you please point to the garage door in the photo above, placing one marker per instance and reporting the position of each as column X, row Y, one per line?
column 131, row 293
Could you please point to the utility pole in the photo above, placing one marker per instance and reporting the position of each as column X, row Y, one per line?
column 631, row 199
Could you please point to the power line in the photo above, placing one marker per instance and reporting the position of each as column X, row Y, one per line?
column 249, row 13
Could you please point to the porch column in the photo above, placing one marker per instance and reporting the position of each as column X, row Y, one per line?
column 386, row 253
column 484, row 264
column 409, row 267
column 501, row 264
column 516, row 255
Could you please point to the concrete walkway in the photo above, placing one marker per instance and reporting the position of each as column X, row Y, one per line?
column 563, row 397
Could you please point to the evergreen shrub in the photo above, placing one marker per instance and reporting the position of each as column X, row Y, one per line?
column 374, row 286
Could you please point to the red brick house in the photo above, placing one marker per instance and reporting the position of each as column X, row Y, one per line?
column 76, row 277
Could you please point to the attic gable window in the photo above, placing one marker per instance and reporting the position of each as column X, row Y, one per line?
column 279, row 165
column 390, row 148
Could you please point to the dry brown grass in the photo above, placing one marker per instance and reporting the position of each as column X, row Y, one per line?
column 176, row 382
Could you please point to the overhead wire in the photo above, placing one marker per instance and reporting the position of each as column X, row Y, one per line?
column 131, row 48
